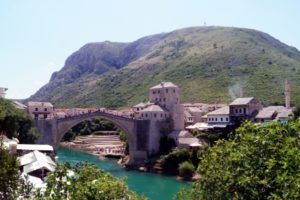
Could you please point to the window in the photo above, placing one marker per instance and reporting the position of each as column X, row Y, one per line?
column 227, row 119
column 158, row 91
column 164, row 99
column 166, row 90
column 36, row 116
column 155, row 115
column 137, row 109
column 159, row 99
column 216, row 119
column 212, row 119
column 245, row 110
column 153, row 92
column 236, row 110
column 45, row 109
column 36, row 109
column 45, row 116
column 142, row 115
column 174, row 90
column 161, row 115
column 221, row 119
column 240, row 110
column 146, row 115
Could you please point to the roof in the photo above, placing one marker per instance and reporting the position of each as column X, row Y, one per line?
column 37, row 103
column 194, row 109
column 241, row 101
column 265, row 113
column 19, row 105
column 187, row 114
column 140, row 105
column 154, row 108
column 284, row 114
column 221, row 111
column 36, row 160
column 180, row 134
column 187, row 141
column 165, row 85
column 33, row 147
column 33, row 157
column 268, row 112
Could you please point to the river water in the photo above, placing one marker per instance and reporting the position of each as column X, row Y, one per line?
column 153, row 186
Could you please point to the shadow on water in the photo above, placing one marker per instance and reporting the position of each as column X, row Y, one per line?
column 153, row 186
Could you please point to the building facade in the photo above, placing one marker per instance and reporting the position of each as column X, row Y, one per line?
column 3, row 92
column 40, row 110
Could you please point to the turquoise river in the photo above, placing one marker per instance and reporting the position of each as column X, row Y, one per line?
column 153, row 186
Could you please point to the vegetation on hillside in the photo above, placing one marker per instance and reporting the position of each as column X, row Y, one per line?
column 258, row 162
column 209, row 64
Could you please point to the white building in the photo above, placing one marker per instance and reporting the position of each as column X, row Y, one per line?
column 219, row 116
column 3, row 92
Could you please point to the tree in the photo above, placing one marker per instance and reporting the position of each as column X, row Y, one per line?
column 12, row 185
column 186, row 169
column 258, row 162
column 86, row 182
column 16, row 123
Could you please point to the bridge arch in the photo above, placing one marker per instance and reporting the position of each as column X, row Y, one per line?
column 136, row 131
column 65, row 125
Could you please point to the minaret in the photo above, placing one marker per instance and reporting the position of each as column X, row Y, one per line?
column 287, row 94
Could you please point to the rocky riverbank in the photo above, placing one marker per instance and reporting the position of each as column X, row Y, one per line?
column 98, row 145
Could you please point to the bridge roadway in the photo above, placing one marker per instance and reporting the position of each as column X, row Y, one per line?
column 136, row 130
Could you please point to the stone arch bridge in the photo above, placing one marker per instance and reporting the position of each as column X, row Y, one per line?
column 136, row 131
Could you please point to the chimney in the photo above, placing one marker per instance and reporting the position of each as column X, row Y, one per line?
column 287, row 94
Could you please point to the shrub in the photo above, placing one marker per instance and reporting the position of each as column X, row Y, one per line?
column 171, row 161
column 186, row 169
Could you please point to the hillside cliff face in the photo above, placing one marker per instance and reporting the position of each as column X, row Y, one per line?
column 209, row 64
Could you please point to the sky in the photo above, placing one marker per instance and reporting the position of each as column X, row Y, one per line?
column 36, row 37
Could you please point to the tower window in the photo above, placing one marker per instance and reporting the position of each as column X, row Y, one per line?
column 155, row 115
column 45, row 109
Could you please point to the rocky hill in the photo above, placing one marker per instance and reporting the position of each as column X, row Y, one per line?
column 209, row 64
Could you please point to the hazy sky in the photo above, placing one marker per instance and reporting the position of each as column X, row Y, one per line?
column 37, row 36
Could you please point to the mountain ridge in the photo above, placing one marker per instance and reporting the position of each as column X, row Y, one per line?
column 208, row 63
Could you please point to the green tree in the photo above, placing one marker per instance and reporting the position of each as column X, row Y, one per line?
column 12, row 185
column 86, row 183
column 186, row 169
column 258, row 162
column 16, row 123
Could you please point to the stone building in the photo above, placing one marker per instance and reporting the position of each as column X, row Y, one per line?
column 166, row 95
column 163, row 107
column 40, row 110
column 245, row 108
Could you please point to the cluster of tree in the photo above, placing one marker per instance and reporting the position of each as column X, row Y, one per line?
column 16, row 123
column 80, row 181
column 88, row 127
column 85, row 181
column 257, row 162
column 180, row 161
column 12, row 185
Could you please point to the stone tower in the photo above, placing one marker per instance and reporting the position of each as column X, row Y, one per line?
column 287, row 94
column 166, row 94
